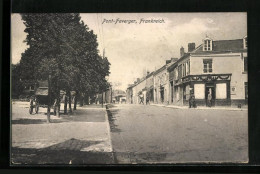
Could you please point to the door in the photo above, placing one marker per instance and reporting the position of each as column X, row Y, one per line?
column 172, row 91
column 210, row 88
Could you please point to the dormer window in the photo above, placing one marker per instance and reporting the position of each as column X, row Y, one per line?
column 245, row 42
column 207, row 44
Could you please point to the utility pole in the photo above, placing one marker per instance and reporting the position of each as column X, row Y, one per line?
column 49, row 99
column 102, row 87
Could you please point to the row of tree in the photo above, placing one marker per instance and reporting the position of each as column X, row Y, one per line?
column 63, row 50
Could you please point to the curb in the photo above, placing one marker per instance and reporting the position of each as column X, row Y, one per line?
column 199, row 108
column 109, row 132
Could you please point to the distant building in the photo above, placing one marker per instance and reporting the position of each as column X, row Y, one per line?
column 129, row 94
column 118, row 96
column 149, row 86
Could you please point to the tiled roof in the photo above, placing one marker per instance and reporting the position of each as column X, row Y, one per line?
column 223, row 46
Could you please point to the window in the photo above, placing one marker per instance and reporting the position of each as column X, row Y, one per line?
column 207, row 66
column 207, row 45
column 246, row 90
column 179, row 71
column 245, row 64
column 184, row 69
column 199, row 91
column 188, row 68
column 221, row 91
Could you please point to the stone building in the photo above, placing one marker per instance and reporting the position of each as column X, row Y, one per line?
column 216, row 67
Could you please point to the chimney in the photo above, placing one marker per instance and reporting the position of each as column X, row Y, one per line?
column 138, row 80
column 174, row 59
column 191, row 47
column 168, row 61
column 182, row 51
column 148, row 72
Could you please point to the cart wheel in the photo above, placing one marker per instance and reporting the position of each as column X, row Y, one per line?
column 31, row 109
column 36, row 109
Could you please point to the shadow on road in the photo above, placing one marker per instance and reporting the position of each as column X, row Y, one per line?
column 67, row 152
column 76, row 116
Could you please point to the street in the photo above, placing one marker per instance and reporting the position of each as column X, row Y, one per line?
column 129, row 134
column 152, row 134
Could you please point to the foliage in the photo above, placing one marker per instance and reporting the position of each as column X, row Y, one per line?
column 62, row 46
column 16, row 83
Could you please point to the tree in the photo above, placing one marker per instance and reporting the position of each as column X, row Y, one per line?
column 62, row 46
column 16, row 83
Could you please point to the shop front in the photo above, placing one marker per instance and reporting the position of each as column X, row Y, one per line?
column 209, row 90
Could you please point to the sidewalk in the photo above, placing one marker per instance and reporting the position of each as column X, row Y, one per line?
column 203, row 107
column 83, row 131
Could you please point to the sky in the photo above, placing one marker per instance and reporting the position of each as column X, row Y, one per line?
column 132, row 49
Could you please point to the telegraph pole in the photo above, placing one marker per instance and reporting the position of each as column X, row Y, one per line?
column 49, row 99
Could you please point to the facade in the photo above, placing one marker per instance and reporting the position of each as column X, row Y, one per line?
column 160, row 85
column 149, row 86
column 139, row 90
column 218, row 68
column 129, row 94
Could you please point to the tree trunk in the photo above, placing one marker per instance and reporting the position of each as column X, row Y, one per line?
column 81, row 99
column 70, row 110
column 75, row 101
column 86, row 98
column 58, row 107
column 65, row 105
column 102, row 100
column 49, row 100
column 48, row 114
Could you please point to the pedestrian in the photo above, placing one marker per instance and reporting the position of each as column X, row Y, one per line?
column 147, row 100
column 209, row 99
column 141, row 99
column 192, row 101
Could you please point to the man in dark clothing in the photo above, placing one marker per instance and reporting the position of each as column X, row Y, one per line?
column 147, row 100
column 192, row 101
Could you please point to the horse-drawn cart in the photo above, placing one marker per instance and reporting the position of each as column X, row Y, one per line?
column 42, row 98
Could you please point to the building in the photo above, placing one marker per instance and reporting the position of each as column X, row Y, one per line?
column 216, row 67
column 118, row 96
column 129, row 94
column 149, row 86
column 161, row 83
column 139, row 90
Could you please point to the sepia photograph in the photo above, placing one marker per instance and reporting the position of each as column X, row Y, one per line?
column 129, row 88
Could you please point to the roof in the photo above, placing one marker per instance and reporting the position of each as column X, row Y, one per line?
column 42, row 91
column 219, row 46
column 118, row 92
column 223, row 46
column 159, row 70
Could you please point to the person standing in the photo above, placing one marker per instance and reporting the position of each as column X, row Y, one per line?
column 141, row 99
column 209, row 99
column 147, row 100
column 192, row 101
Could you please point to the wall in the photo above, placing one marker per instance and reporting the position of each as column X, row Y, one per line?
column 138, row 87
column 223, row 64
column 161, row 79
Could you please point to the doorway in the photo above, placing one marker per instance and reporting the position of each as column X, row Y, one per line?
column 210, row 88
column 162, row 94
